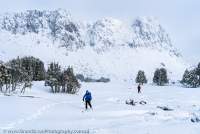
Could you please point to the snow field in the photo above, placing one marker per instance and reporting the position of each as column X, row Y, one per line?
column 110, row 114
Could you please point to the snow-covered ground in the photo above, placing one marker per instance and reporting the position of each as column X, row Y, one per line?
column 110, row 114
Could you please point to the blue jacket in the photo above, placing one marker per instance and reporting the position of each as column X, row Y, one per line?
column 87, row 96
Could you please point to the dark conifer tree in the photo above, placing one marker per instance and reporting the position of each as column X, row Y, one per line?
column 160, row 77
column 141, row 78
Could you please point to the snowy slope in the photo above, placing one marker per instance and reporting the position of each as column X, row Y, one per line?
column 110, row 114
column 107, row 47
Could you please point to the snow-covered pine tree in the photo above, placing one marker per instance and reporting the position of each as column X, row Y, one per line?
column 141, row 78
column 26, row 81
column 198, row 72
column 190, row 79
column 160, row 77
column 32, row 65
column 72, row 83
column 16, row 72
column 156, row 77
column 16, row 80
column 185, row 78
column 164, row 78
column 2, row 76
column 5, row 78
column 21, row 73
column 61, row 81
column 53, row 76
column 39, row 73
column 193, row 79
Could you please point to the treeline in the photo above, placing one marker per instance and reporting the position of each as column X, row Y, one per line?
column 20, row 72
column 82, row 78
column 190, row 78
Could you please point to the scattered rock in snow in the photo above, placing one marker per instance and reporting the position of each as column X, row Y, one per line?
column 194, row 105
column 130, row 102
column 195, row 119
column 143, row 102
column 152, row 113
column 133, row 103
column 164, row 108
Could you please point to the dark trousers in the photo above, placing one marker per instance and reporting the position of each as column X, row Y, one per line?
column 88, row 103
column 139, row 90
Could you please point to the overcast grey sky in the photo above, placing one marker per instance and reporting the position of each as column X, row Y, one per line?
column 180, row 18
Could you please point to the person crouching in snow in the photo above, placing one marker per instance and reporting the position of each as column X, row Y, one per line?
column 87, row 98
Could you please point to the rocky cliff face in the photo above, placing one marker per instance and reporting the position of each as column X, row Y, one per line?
column 107, row 47
column 102, row 35
column 57, row 25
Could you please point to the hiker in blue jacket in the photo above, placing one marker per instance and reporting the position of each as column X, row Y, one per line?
column 87, row 98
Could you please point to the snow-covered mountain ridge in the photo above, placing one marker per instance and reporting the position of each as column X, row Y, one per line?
column 107, row 47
